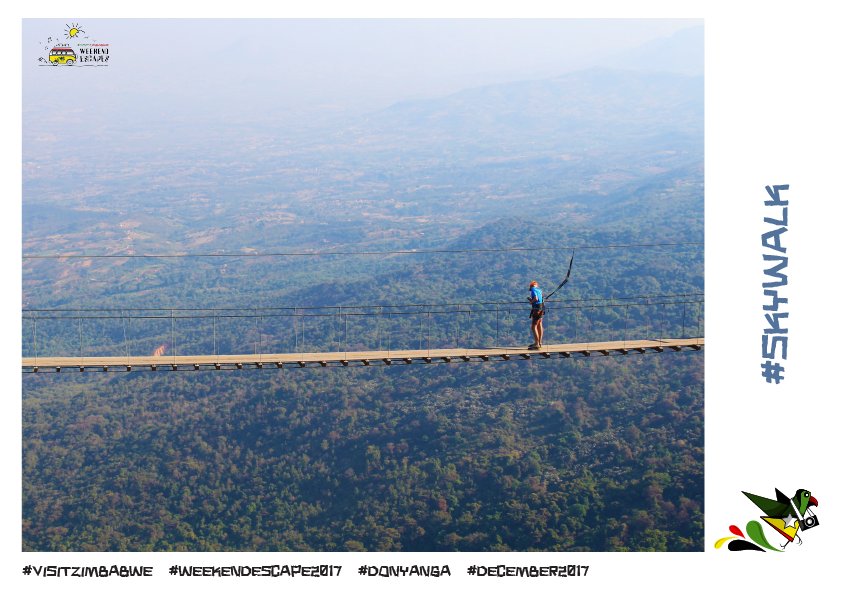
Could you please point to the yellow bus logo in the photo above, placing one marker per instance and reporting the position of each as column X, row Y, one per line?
column 62, row 55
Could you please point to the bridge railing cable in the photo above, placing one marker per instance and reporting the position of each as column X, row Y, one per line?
column 267, row 330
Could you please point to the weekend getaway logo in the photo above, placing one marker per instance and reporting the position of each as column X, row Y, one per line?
column 787, row 515
column 74, row 48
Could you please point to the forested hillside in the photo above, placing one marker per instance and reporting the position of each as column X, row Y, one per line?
column 600, row 454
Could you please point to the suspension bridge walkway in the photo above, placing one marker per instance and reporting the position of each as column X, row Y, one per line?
column 347, row 359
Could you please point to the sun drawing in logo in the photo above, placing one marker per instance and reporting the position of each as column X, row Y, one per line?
column 73, row 31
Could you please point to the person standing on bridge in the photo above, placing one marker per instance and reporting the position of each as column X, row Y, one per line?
column 536, row 315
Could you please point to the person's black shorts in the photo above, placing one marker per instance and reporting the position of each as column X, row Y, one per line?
column 537, row 314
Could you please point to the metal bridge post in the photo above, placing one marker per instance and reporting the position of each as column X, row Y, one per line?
column 259, row 323
column 173, row 333
column 699, row 313
column 457, row 337
column 428, row 333
column 125, row 337
column 576, row 320
column 256, row 331
column 421, row 333
column 468, row 327
column 497, row 327
column 378, row 327
column 35, row 338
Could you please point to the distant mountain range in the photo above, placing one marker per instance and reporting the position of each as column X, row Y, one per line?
column 681, row 53
column 579, row 107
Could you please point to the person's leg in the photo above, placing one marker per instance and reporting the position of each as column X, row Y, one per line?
column 534, row 329
column 540, row 331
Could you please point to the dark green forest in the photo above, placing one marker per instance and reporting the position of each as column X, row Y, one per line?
column 594, row 454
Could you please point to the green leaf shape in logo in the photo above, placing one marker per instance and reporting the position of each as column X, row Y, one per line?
column 756, row 533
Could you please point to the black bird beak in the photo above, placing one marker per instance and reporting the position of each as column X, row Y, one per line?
column 813, row 501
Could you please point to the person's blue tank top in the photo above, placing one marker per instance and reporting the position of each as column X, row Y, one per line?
column 536, row 295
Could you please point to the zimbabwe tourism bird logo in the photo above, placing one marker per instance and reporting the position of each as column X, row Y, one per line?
column 788, row 515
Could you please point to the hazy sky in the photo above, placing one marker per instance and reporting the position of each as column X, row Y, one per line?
column 239, row 68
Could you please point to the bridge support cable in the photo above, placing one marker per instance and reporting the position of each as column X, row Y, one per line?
column 132, row 332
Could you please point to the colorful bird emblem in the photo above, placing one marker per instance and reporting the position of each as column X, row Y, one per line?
column 787, row 515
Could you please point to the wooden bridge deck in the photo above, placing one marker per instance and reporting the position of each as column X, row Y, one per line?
column 345, row 359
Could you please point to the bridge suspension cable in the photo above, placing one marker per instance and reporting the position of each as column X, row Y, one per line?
column 580, row 303
column 338, row 336
column 352, row 253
